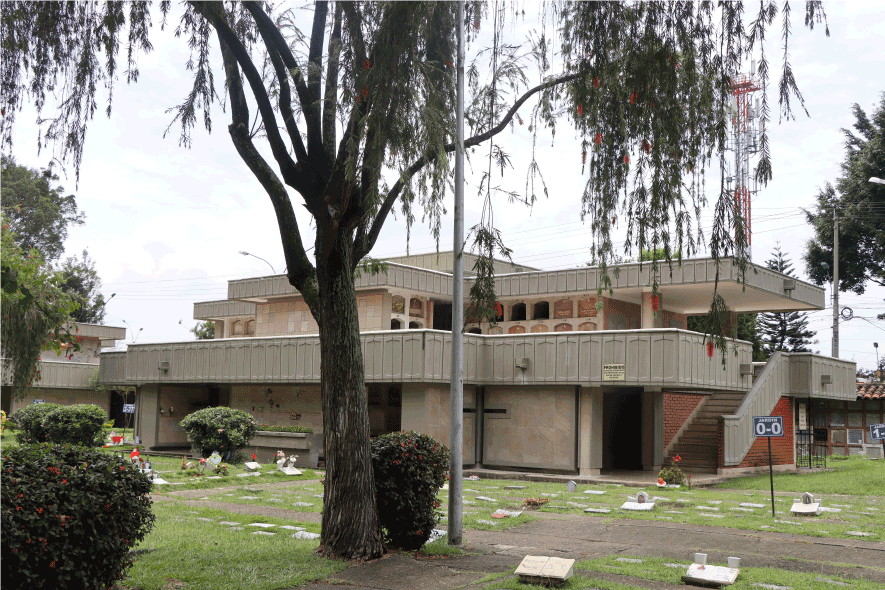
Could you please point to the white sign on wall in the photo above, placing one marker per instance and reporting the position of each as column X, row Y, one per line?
column 128, row 408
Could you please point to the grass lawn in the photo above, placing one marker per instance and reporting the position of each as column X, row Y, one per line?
column 670, row 572
column 189, row 544
column 856, row 475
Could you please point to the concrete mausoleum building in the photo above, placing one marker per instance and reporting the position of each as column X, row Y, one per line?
column 66, row 380
column 566, row 380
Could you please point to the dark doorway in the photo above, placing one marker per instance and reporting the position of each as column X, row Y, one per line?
column 118, row 398
column 622, row 430
column 442, row 316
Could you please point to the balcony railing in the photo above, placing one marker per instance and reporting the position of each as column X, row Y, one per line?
column 665, row 358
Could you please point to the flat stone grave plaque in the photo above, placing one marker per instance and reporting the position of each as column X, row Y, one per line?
column 488, row 522
column 806, row 506
column 159, row 481
column 229, row 523
column 290, row 471
column 706, row 508
column 640, row 503
column 485, row 499
column 289, row 527
column 302, row 504
column 534, row 569
column 859, row 534
column 252, row 465
column 576, row 505
column 828, row 509
column 247, row 474
column 710, row 575
column 263, row 525
column 751, row 505
column 597, row 510
column 594, row 492
column 305, row 535
column 514, row 487
column 248, row 497
column 214, row 477
column 263, row 533
column 628, row 560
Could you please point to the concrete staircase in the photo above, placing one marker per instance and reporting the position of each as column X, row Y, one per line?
column 698, row 443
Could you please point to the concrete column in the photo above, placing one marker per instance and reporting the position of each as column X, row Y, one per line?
column 149, row 414
column 650, row 319
column 219, row 328
column 652, row 430
column 590, row 432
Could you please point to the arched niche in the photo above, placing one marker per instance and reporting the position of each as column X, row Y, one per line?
column 541, row 311
column 396, row 324
column 398, row 304
column 563, row 328
column 587, row 327
column 237, row 328
column 496, row 330
column 250, row 328
column 474, row 331
column 516, row 330
column 415, row 325
column 517, row 313
column 539, row 328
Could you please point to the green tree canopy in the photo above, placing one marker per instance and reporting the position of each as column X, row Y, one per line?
column 366, row 93
column 37, row 210
column 204, row 330
column 785, row 331
column 860, row 205
column 81, row 281
column 34, row 308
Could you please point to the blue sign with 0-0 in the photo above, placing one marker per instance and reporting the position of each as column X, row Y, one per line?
column 768, row 426
column 877, row 431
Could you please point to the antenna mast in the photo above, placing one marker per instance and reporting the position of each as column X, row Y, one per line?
column 745, row 144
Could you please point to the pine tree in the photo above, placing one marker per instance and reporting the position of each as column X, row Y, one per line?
column 785, row 331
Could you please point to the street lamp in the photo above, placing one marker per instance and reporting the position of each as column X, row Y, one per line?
column 244, row 253
column 875, row 180
column 132, row 331
column 876, row 372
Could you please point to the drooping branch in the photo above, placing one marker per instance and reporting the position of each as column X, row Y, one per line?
column 215, row 15
column 431, row 155
column 301, row 273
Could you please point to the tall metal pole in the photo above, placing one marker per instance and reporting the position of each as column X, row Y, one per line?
column 835, row 283
column 456, row 393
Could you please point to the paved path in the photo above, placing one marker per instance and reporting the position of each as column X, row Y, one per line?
column 584, row 537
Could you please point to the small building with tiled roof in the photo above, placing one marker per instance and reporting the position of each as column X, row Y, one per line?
column 871, row 391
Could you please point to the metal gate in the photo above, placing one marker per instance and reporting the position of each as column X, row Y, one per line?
column 811, row 448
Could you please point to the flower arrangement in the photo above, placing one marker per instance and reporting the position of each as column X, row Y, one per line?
column 673, row 475
column 221, row 470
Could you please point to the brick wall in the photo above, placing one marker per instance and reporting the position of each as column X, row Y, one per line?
column 630, row 312
column 781, row 448
column 677, row 408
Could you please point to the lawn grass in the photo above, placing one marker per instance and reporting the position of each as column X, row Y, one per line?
column 856, row 476
column 699, row 506
column 664, row 570
column 207, row 555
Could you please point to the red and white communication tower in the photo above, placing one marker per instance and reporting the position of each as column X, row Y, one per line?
column 745, row 144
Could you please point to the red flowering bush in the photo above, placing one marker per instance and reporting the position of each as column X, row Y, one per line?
column 409, row 468
column 672, row 475
column 70, row 515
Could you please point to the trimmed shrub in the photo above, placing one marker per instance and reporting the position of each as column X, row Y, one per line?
column 221, row 429
column 409, row 468
column 29, row 423
column 300, row 429
column 78, row 424
column 70, row 516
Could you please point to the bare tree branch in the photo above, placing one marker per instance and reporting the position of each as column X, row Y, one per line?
column 330, row 103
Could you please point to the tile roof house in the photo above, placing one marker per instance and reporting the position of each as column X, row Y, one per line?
column 569, row 378
column 871, row 391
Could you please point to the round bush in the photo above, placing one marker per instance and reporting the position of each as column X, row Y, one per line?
column 221, row 429
column 77, row 425
column 409, row 468
column 70, row 516
column 29, row 423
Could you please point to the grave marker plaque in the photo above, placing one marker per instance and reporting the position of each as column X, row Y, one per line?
column 545, row 570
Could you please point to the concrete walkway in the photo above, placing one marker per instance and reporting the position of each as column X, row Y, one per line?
column 584, row 537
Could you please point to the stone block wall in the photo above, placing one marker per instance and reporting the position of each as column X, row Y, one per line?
column 677, row 408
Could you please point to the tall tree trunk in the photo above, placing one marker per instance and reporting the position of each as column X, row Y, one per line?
column 350, row 517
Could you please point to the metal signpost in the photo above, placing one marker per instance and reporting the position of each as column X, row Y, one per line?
column 877, row 432
column 768, row 427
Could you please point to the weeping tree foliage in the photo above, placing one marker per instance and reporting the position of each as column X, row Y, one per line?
column 35, row 310
column 356, row 109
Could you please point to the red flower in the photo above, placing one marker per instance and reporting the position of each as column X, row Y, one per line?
column 677, row 459
column 710, row 348
column 660, row 481
column 253, row 456
column 580, row 110
column 596, row 82
column 598, row 138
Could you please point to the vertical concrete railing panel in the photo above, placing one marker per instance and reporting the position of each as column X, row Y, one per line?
column 772, row 383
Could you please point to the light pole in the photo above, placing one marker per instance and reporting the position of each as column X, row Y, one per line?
column 876, row 372
column 134, row 334
column 244, row 253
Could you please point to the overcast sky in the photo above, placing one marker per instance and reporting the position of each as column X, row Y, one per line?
column 164, row 223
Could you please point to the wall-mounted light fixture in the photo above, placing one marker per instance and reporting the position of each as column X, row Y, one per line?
column 522, row 363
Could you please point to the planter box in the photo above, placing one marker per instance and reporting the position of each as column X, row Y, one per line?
column 307, row 447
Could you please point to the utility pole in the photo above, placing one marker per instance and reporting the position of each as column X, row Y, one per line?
column 456, row 391
column 835, row 353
